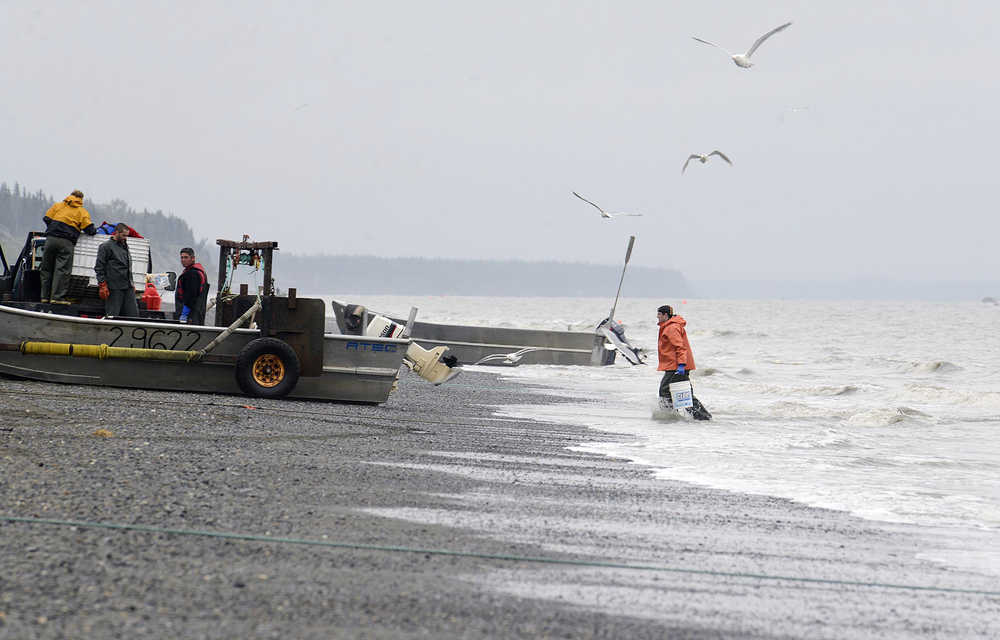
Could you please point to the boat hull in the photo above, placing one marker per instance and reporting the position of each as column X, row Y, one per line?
column 472, row 344
column 355, row 369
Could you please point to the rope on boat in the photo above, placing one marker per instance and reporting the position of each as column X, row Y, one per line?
column 491, row 556
column 200, row 353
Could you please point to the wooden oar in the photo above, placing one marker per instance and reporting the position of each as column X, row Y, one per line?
column 628, row 254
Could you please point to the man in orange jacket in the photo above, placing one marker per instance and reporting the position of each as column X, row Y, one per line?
column 676, row 358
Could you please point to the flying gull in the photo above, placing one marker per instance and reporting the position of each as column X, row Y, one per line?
column 704, row 158
column 604, row 214
column 791, row 110
column 507, row 358
column 743, row 60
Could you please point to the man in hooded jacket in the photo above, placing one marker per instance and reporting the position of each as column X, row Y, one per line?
column 114, row 275
column 676, row 358
column 191, row 295
column 64, row 222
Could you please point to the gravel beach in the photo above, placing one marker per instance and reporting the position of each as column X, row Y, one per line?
column 427, row 517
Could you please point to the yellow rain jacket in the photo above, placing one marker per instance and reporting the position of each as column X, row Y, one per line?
column 68, row 218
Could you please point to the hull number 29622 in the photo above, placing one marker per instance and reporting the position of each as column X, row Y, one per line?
column 140, row 338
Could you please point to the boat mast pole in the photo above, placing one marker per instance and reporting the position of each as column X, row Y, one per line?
column 628, row 255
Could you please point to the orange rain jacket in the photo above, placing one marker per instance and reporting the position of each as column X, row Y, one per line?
column 673, row 346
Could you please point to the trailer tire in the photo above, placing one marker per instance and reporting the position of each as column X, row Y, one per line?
column 267, row 368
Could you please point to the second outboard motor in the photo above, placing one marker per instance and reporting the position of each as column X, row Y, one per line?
column 431, row 365
column 354, row 318
column 615, row 333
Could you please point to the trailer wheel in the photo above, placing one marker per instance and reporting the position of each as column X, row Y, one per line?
column 267, row 368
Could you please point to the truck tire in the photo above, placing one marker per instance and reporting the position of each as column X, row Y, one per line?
column 267, row 368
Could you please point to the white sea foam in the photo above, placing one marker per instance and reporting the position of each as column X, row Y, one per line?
column 852, row 406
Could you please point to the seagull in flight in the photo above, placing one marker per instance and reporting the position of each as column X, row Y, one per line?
column 743, row 60
column 704, row 158
column 507, row 358
column 791, row 110
column 604, row 214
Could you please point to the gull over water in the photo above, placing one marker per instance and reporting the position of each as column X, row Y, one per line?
column 704, row 158
column 743, row 59
column 605, row 214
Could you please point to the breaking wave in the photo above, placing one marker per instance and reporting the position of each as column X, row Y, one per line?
column 727, row 333
column 842, row 390
column 884, row 417
column 932, row 366
column 870, row 461
column 831, row 440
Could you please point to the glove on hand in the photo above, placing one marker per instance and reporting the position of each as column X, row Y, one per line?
column 103, row 291
column 681, row 369
column 185, row 312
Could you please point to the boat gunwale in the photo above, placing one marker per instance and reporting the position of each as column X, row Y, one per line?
column 435, row 341
column 440, row 325
column 42, row 315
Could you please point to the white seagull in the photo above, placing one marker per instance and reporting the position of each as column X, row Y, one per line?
column 605, row 214
column 743, row 60
column 791, row 110
column 704, row 158
column 507, row 358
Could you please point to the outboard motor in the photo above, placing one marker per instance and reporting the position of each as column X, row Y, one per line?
column 431, row 365
column 354, row 317
column 615, row 333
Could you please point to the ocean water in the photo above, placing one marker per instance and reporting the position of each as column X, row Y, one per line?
column 887, row 410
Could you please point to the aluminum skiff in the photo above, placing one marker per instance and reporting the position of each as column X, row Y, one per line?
column 355, row 368
column 500, row 346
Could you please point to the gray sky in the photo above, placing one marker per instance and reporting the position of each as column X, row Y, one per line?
column 459, row 128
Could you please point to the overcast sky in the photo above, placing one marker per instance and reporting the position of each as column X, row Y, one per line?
column 460, row 128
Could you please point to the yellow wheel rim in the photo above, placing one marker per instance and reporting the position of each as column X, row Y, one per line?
column 268, row 370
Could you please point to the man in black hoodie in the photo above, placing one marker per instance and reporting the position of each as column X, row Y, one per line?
column 191, row 295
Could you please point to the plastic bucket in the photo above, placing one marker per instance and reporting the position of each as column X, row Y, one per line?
column 681, row 394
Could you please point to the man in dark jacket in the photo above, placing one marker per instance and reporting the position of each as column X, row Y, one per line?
column 64, row 222
column 191, row 295
column 114, row 275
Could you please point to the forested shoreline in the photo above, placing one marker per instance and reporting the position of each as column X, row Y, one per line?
column 21, row 211
column 438, row 276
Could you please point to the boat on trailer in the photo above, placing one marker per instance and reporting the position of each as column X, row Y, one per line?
column 263, row 345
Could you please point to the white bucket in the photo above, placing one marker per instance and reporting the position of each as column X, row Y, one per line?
column 681, row 394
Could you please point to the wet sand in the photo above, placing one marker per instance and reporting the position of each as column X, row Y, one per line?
column 439, row 508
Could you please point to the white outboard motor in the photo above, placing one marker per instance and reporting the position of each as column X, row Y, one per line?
column 615, row 334
column 425, row 363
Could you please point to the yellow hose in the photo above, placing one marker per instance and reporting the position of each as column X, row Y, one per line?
column 103, row 351
column 99, row 351
column 47, row 348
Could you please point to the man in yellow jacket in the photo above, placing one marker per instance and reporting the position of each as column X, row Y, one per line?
column 64, row 221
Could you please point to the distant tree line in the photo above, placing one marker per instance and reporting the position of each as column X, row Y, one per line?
column 439, row 276
column 21, row 211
